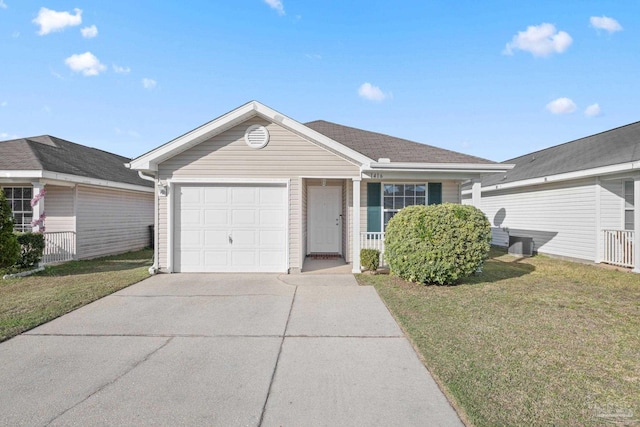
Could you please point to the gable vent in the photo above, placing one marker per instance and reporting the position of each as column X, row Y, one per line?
column 256, row 136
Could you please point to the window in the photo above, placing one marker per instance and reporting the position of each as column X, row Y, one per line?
column 629, row 203
column 20, row 201
column 398, row 196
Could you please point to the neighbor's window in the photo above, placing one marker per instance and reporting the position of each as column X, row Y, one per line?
column 20, row 201
column 398, row 196
column 629, row 203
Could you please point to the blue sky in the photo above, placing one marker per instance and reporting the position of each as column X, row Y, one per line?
column 495, row 79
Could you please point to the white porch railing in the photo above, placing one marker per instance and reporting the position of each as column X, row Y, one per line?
column 370, row 240
column 59, row 246
column 618, row 247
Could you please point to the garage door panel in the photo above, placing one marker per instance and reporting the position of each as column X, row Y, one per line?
column 231, row 228
column 271, row 217
column 217, row 217
column 216, row 259
column 190, row 195
column 215, row 238
column 244, row 196
column 245, row 238
column 271, row 238
column 216, row 195
column 244, row 217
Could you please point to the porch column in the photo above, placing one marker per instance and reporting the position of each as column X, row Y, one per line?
column 356, row 226
column 476, row 194
column 636, row 224
column 38, row 206
column 599, row 243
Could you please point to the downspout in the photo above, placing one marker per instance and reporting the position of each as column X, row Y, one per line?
column 154, row 268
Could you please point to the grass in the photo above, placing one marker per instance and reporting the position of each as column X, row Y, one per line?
column 31, row 301
column 534, row 341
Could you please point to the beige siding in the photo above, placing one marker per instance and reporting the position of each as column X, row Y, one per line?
column 111, row 221
column 227, row 156
column 561, row 217
column 60, row 209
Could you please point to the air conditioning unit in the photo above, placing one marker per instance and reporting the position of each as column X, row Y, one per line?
column 520, row 246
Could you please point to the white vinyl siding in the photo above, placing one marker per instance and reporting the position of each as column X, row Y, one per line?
column 612, row 204
column 227, row 156
column 111, row 221
column 560, row 217
column 59, row 207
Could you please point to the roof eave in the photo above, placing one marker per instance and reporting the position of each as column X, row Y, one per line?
column 442, row 167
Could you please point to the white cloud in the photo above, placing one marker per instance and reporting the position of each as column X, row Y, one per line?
column 7, row 136
column 562, row 106
column 540, row 40
column 85, row 63
column 313, row 56
column 276, row 5
column 3, row 5
column 605, row 23
column 50, row 20
column 4, row 104
column 371, row 92
column 89, row 32
column 121, row 70
column 592, row 110
column 149, row 83
column 15, row 34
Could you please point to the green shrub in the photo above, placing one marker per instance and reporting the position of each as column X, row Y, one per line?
column 31, row 249
column 370, row 259
column 9, row 247
column 438, row 244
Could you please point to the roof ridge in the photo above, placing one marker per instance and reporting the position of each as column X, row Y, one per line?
column 571, row 142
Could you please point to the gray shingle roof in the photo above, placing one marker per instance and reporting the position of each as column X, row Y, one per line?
column 377, row 145
column 619, row 145
column 57, row 155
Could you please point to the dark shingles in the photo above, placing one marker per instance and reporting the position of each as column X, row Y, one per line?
column 58, row 155
column 615, row 146
column 377, row 145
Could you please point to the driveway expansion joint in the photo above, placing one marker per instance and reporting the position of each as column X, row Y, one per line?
column 113, row 381
column 275, row 368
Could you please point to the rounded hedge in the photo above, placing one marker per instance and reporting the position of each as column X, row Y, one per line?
column 438, row 244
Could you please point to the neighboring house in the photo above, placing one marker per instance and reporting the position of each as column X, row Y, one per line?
column 256, row 191
column 576, row 200
column 85, row 200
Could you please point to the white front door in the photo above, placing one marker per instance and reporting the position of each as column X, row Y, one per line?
column 324, row 206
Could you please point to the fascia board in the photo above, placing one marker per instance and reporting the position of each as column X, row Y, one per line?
column 587, row 173
column 308, row 133
column 150, row 160
column 75, row 179
column 443, row 167
column 26, row 174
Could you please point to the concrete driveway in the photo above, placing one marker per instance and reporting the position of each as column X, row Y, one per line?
column 222, row 350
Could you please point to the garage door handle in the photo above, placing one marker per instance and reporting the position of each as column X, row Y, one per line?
column 230, row 240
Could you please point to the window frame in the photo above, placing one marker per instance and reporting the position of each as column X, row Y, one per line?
column 20, row 226
column 385, row 210
column 626, row 209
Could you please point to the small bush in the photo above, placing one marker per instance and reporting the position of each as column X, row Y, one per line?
column 370, row 259
column 437, row 244
column 9, row 247
column 31, row 249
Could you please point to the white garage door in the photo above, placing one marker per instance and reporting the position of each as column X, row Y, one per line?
column 230, row 228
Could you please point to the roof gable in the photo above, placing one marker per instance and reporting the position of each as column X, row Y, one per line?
column 615, row 146
column 48, row 153
column 149, row 161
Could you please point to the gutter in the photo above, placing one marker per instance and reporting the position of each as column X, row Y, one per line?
column 154, row 268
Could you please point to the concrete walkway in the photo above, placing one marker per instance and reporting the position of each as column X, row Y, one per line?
column 222, row 350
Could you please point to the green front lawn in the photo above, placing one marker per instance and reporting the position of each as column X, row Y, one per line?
column 31, row 301
column 528, row 342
